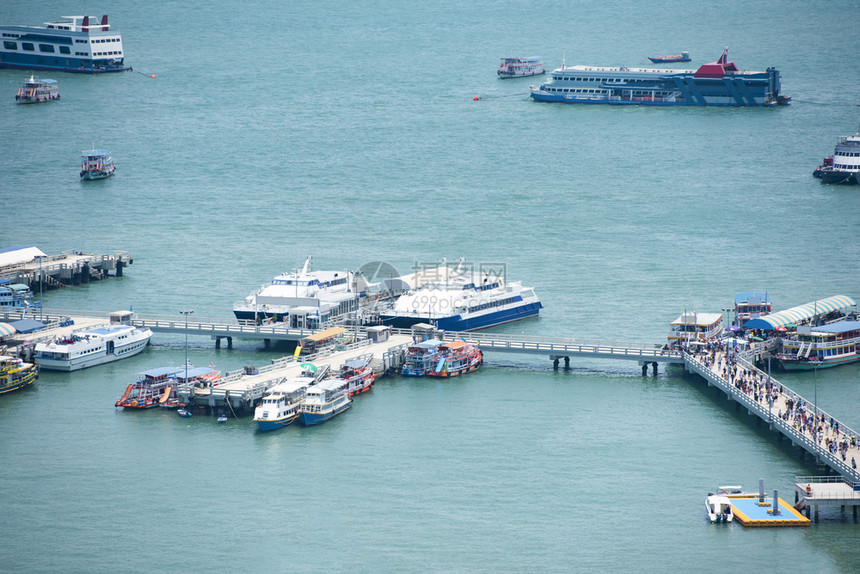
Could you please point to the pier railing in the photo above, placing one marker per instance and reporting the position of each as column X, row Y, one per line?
column 766, row 413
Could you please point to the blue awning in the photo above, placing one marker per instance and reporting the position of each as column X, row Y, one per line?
column 801, row 313
column 27, row 325
column 6, row 329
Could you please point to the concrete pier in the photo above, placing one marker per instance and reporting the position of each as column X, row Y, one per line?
column 67, row 268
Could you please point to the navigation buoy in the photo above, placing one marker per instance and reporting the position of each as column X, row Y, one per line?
column 152, row 75
column 476, row 98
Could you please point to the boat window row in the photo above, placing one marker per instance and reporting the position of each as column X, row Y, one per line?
column 103, row 40
column 8, row 35
column 845, row 166
column 497, row 303
column 849, row 154
column 30, row 47
column 578, row 79
column 116, row 53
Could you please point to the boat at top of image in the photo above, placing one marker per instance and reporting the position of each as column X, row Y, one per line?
column 96, row 164
column 89, row 347
column 420, row 358
column 16, row 374
column 463, row 300
column 280, row 405
column 157, row 387
column 82, row 44
column 682, row 57
column 520, row 67
column 718, row 83
column 844, row 166
column 304, row 299
column 324, row 401
column 15, row 296
column 751, row 305
column 695, row 327
column 36, row 91
column 456, row 358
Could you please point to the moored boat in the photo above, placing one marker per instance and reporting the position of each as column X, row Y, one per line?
column 695, row 327
column 96, row 164
column 520, row 67
column 718, row 507
column 16, row 374
column 718, row 83
column 15, row 297
column 280, row 405
column 844, row 165
column 827, row 162
column 90, row 347
column 421, row 358
column 80, row 44
column 821, row 346
column 157, row 387
column 682, row 57
column 751, row 305
column 463, row 300
column 456, row 358
column 36, row 91
column 357, row 375
column 324, row 401
column 222, row 418
column 184, row 413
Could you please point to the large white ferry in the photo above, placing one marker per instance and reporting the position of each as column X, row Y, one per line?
column 280, row 405
column 305, row 299
column 74, row 44
column 844, row 166
column 718, row 83
column 463, row 301
column 90, row 347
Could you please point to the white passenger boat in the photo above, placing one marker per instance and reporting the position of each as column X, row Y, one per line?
column 691, row 326
column 463, row 301
column 304, row 299
column 280, row 405
column 90, row 347
column 323, row 401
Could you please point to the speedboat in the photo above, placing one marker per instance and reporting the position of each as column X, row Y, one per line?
column 184, row 413
column 719, row 507
column 280, row 405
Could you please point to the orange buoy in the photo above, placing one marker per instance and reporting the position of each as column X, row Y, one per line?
column 475, row 99
column 152, row 75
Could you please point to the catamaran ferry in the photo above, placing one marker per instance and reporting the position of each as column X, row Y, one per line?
column 463, row 301
column 91, row 347
column 75, row 44
column 719, row 83
column 304, row 299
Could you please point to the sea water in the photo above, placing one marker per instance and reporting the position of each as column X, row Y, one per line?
column 350, row 132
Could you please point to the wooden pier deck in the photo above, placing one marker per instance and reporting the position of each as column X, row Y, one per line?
column 67, row 268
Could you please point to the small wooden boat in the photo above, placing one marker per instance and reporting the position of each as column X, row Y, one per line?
column 184, row 413
column 682, row 57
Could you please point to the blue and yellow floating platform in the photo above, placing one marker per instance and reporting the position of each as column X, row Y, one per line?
column 750, row 512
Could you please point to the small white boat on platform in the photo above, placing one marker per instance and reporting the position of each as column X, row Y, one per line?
column 87, row 348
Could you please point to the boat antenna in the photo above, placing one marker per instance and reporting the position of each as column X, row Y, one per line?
column 562, row 60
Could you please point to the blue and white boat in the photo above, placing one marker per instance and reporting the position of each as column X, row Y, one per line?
column 90, row 347
column 80, row 44
column 718, row 83
column 421, row 358
column 15, row 296
column 463, row 301
column 280, row 405
column 323, row 401
column 520, row 67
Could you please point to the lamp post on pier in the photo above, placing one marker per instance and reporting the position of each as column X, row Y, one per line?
column 186, row 313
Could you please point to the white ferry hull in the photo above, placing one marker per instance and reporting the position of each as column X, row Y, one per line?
column 83, row 361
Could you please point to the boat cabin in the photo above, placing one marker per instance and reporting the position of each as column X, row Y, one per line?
column 751, row 305
column 121, row 317
column 691, row 326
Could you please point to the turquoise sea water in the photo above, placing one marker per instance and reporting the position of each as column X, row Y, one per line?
column 349, row 132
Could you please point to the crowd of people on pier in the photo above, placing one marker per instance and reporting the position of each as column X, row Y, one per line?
column 723, row 359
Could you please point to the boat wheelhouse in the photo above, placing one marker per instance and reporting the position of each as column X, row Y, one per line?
column 90, row 347
column 96, row 164
column 462, row 300
column 695, row 327
column 16, row 374
column 324, row 401
column 682, row 57
column 719, row 83
column 280, row 405
column 520, row 67
column 844, row 166
column 821, row 346
column 36, row 91
column 421, row 358
column 81, row 44
column 456, row 358
column 751, row 305
column 303, row 299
